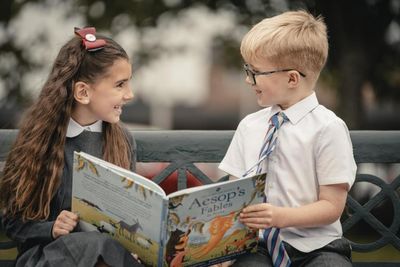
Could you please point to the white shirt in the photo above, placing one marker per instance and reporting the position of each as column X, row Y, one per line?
column 75, row 129
column 313, row 148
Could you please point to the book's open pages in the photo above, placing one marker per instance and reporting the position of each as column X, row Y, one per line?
column 196, row 226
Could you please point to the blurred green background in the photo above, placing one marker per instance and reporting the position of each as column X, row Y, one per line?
column 185, row 55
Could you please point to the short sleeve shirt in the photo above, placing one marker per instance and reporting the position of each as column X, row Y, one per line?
column 313, row 149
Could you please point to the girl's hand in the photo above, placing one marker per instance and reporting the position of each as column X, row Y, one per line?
column 64, row 224
column 260, row 216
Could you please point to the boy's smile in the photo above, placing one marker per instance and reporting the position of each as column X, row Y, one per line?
column 269, row 89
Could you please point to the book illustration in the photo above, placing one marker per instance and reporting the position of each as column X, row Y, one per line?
column 193, row 239
column 129, row 234
column 237, row 245
column 87, row 202
column 144, row 242
column 181, row 249
column 130, row 228
column 217, row 230
column 129, row 182
column 108, row 228
column 176, row 202
column 176, row 248
column 192, row 227
column 84, row 163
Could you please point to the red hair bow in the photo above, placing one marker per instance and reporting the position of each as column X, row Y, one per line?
column 89, row 39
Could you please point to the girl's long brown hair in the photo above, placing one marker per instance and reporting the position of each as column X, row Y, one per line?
column 32, row 172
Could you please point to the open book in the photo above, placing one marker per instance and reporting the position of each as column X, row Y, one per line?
column 198, row 226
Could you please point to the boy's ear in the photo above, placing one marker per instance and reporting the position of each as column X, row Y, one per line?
column 82, row 92
column 293, row 78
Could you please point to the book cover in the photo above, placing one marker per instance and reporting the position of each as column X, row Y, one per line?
column 198, row 226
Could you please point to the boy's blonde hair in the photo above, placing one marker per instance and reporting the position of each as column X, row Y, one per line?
column 294, row 39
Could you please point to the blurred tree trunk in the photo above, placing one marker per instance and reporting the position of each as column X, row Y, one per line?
column 356, row 31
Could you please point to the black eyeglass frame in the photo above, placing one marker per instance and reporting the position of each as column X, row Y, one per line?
column 252, row 73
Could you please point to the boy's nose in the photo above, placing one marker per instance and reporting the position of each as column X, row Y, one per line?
column 249, row 80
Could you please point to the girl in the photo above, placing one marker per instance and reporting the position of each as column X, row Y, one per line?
column 78, row 109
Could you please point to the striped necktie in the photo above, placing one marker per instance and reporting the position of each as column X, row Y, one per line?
column 275, row 245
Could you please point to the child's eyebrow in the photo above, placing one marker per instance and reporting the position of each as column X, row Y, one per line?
column 124, row 80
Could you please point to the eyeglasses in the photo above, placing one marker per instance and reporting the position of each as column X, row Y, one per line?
column 252, row 73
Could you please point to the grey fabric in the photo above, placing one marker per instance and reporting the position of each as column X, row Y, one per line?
column 35, row 244
column 78, row 249
column 335, row 254
column 260, row 258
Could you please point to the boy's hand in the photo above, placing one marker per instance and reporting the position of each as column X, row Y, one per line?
column 259, row 216
column 64, row 224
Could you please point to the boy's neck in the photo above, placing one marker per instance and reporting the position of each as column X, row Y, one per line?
column 295, row 98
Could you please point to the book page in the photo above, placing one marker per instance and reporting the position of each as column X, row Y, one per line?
column 203, row 225
column 198, row 188
column 129, row 174
column 109, row 202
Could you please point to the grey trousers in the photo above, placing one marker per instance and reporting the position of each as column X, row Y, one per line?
column 335, row 254
column 79, row 249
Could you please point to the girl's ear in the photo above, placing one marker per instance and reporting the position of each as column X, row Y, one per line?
column 81, row 92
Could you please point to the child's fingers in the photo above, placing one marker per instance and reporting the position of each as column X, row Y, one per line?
column 256, row 207
column 256, row 222
column 69, row 214
column 254, row 214
column 67, row 221
column 60, row 228
column 57, row 232
column 257, row 226
column 65, row 226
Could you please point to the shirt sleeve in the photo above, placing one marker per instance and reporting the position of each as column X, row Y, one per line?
column 334, row 155
column 233, row 163
column 33, row 232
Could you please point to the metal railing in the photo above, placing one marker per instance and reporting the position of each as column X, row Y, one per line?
column 184, row 148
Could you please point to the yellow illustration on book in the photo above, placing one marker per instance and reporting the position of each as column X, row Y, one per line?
column 222, row 238
column 176, row 202
column 218, row 227
column 180, row 252
column 240, row 244
column 129, row 182
column 129, row 235
column 138, row 188
column 83, row 163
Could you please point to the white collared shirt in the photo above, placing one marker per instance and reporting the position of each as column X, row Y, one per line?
column 313, row 148
column 75, row 129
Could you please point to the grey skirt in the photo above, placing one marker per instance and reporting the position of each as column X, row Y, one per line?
column 78, row 249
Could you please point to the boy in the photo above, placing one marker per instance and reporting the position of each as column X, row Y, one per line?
column 310, row 167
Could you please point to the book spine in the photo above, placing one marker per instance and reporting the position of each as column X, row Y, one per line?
column 163, row 234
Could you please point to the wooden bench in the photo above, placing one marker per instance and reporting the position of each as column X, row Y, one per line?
column 181, row 149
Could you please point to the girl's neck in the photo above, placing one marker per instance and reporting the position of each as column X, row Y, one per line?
column 81, row 119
